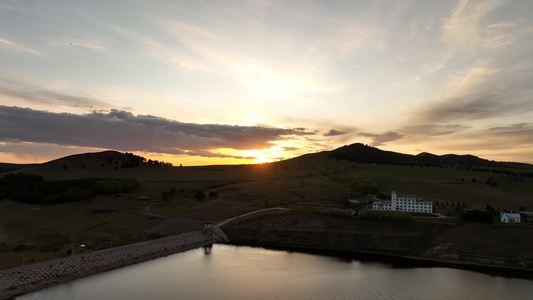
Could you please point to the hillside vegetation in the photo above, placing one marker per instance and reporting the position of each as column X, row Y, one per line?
column 315, row 187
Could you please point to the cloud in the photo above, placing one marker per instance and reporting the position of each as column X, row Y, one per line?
column 291, row 149
column 504, row 33
column 512, row 142
column 73, row 43
column 465, row 24
column 334, row 132
column 13, row 46
column 236, row 47
column 210, row 154
column 480, row 92
column 514, row 134
column 157, row 49
column 40, row 151
column 124, row 131
column 432, row 129
column 495, row 101
column 37, row 95
column 379, row 139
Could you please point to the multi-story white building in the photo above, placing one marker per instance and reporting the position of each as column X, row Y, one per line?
column 404, row 203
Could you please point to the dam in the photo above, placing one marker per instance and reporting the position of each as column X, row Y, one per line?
column 17, row 281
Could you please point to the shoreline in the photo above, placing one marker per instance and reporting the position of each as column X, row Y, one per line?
column 400, row 261
column 22, row 280
column 18, row 281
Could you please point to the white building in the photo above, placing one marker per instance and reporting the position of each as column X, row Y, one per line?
column 404, row 203
column 509, row 218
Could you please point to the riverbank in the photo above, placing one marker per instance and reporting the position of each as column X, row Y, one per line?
column 398, row 261
column 489, row 249
column 17, row 281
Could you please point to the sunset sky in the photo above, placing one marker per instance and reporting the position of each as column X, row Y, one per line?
column 235, row 82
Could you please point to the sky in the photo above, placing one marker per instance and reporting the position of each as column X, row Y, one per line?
column 238, row 82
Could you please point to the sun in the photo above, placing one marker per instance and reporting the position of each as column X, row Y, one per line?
column 264, row 159
column 265, row 155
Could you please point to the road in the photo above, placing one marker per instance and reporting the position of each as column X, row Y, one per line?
column 247, row 214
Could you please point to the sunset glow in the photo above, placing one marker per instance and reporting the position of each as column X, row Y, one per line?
column 229, row 82
column 271, row 154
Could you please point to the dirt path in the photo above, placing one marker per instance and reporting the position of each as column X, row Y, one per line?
column 247, row 214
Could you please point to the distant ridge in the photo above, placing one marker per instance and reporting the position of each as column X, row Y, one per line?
column 85, row 161
column 7, row 167
column 367, row 154
column 357, row 152
column 109, row 157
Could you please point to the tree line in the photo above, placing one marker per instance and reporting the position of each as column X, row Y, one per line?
column 29, row 188
column 136, row 160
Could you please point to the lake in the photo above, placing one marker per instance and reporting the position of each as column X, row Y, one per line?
column 237, row 272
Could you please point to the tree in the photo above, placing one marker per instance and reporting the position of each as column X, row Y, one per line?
column 491, row 210
column 199, row 195
column 460, row 212
column 478, row 216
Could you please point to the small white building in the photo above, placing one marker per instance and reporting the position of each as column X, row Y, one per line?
column 509, row 218
column 404, row 203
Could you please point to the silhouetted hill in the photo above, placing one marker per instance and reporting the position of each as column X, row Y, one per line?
column 86, row 160
column 7, row 167
column 96, row 164
column 367, row 154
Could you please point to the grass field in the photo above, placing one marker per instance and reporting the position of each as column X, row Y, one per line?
column 446, row 185
column 49, row 232
column 46, row 232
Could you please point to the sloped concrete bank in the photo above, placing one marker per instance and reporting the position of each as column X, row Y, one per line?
column 17, row 281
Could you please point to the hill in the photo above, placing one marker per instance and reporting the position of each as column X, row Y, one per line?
column 7, row 167
column 309, row 185
column 87, row 165
column 367, row 154
column 119, row 165
column 97, row 159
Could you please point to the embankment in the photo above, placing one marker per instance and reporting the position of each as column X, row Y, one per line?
column 398, row 243
column 17, row 281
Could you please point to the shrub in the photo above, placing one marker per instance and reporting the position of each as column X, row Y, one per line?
column 20, row 248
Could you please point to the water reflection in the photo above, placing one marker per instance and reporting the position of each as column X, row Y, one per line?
column 230, row 272
column 207, row 249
